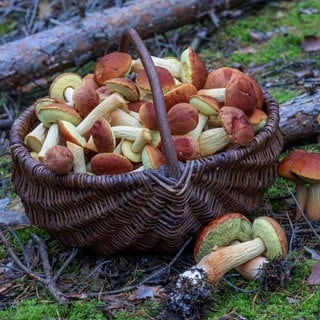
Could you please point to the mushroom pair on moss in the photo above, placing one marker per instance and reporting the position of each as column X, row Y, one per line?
column 303, row 169
column 231, row 241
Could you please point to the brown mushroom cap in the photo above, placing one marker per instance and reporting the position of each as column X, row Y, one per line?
column 221, row 232
column 180, row 93
column 307, row 167
column 85, row 98
column 182, row 118
column 193, row 69
column 218, row 78
column 124, row 86
column 240, row 93
column 167, row 81
column 147, row 115
column 103, row 136
column 237, row 125
column 112, row 65
column 187, row 148
column 69, row 132
column 152, row 157
column 59, row 160
column 110, row 163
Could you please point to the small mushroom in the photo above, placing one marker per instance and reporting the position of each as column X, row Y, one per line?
column 218, row 78
column 88, row 81
column 52, row 113
column 258, row 119
column 147, row 115
column 79, row 163
column 112, row 65
column 59, row 160
column 63, row 86
column 34, row 139
column 193, row 69
column 187, row 148
column 152, row 157
column 52, row 139
column 68, row 132
column 269, row 240
column 125, row 87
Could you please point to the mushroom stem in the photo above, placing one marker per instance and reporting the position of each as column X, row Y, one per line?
column 127, row 132
column 212, row 141
column 51, row 140
column 222, row 260
column 68, row 93
column 196, row 132
column 105, row 107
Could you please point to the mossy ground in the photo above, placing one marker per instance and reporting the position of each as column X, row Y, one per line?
column 232, row 44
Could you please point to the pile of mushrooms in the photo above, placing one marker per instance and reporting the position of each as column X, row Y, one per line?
column 233, row 242
column 105, row 122
column 303, row 169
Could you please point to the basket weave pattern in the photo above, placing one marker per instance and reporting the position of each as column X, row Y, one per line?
column 149, row 209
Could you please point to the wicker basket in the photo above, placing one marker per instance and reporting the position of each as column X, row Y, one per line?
column 150, row 209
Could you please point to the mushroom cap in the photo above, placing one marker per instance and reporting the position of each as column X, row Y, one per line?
column 182, row 118
column 237, row 125
column 307, row 167
column 54, row 112
column 124, row 86
column 187, row 148
column 85, row 99
column 221, row 232
column 285, row 165
column 240, row 93
column 218, row 78
column 272, row 235
column 103, row 136
column 180, row 93
column 59, row 160
column 110, row 163
column 147, row 115
column 62, row 82
column 206, row 104
column 69, row 132
column 167, row 81
column 152, row 157
column 193, row 69
column 112, row 65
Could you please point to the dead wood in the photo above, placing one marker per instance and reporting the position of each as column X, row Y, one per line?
column 81, row 40
column 298, row 117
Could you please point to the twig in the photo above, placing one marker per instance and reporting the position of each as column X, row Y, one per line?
column 148, row 278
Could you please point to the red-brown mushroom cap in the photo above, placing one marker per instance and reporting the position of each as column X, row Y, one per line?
column 182, row 118
column 147, row 115
column 110, row 163
column 59, row 160
column 221, row 232
column 307, row 167
column 152, row 157
column 112, row 65
column 103, row 136
column 85, row 98
column 187, row 148
column 240, row 93
column 218, row 78
column 237, row 125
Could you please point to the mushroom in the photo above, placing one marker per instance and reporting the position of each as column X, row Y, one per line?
column 147, row 115
column 68, row 132
column 103, row 136
column 79, row 163
column 152, row 157
column 112, row 65
column 125, row 87
column 239, row 92
column 110, row 163
column 218, row 78
column 269, row 240
column 167, row 81
column 193, row 69
column 284, row 170
column 258, row 119
column 59, row 160
column 52, row 139
column 52, row 113
column 119, row 117
column 187, row 148
column 182, row 118
column 172, row 64
column 34, row 139
column 236, row 130
column 63, row 86
column 307, row 168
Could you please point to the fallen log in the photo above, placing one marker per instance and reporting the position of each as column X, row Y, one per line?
column 298, row 117
column 81, row 40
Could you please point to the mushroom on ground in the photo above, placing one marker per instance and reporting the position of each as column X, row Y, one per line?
column 307, row 168
column 269, row 240
column 284, row 170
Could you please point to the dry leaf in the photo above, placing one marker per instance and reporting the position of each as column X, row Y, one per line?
column 311, row 43
column 315, row 275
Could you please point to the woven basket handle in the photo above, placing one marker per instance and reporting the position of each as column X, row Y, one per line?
column 168, row 147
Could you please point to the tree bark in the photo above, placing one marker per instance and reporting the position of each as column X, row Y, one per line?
column 298, row 117
column 81, row 40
